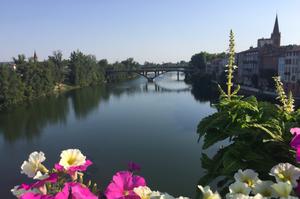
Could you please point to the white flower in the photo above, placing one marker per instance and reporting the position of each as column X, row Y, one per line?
column 208, row 194
column 247, row 176
column 285, row 172
column 159, row 195
column 33, row 166
column 239, row 187
column 155, row 195
column 264, row 189
column 17, row 191
column 166, row 196
column 143, row 192
column 258, row 196
column 282, row 189
column 71, row 157
column 236, row 196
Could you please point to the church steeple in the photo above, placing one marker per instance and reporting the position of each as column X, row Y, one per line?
column 35, row 58
column 276, row 35
column 276, row 26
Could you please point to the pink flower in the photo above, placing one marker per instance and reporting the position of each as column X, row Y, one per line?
column 123, row 184
column 30, row 195
column 83, row 167
column 71, row 190
column 295, row 131
column 295, row 143
column 75, row 191
column 298, row 155
column 73, row 170
column 132, row 166
column 52, row 179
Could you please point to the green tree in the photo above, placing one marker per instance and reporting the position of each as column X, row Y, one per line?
column 57, row 65
column 21, row 59
column 199, row 61
column 11, row 86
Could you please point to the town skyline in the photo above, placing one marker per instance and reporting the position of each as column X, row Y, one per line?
column 157, row 32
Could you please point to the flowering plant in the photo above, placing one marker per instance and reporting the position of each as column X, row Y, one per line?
column 247, row 185
column 66, row 180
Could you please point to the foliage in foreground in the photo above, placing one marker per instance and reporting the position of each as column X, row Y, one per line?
column 257, row 133
column 247, row 185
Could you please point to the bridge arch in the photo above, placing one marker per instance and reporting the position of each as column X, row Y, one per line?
column 156, row 70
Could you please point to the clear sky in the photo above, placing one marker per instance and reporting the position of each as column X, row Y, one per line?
column 147, row 30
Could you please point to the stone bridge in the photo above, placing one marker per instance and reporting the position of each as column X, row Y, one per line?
column 152, row 72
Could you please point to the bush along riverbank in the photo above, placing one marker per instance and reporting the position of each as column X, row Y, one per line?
column 27, row 79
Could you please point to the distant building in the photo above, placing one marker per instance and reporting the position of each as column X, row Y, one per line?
column 257, row 65
column 289, row 68
column 216, row 67
column 248, row 62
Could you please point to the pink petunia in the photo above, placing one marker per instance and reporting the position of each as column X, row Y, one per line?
column 30, row 195
column 123, row 184
column 295, row 143
column 71, row 190
column 298, row 155
column 75, row 191
column 295, row 131
column 52, row 179
column 132, row 166
column 73, row 169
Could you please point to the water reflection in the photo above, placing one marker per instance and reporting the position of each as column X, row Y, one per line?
column 28, row 120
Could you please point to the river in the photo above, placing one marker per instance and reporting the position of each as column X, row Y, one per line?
column 153, row 124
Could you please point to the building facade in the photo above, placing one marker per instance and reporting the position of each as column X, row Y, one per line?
column 289, row 69
column 257, row 66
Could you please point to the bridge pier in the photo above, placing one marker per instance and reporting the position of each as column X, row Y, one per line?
column 150, row 80
column 177, row 75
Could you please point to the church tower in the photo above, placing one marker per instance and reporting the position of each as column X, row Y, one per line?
column 276, row 35
column 35, row 58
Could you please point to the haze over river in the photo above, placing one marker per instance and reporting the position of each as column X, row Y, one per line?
column 153, row 124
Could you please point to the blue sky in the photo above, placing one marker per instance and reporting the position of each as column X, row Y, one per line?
column 148, row 30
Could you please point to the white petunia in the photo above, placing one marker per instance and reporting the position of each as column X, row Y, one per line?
column 33, row 166
column 285, row 172
column 155, row 195
column 247, row 176
column 258, row 196
column 18, row 192
column 282, row 189
column 143, row 192
column 237, row 196
column 208, row 194
column 264, row 189
column 159, row 195
column 72, row 157
column 239, row 188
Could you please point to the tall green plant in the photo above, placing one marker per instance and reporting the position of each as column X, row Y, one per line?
column 286, row 101
column 230, row 67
